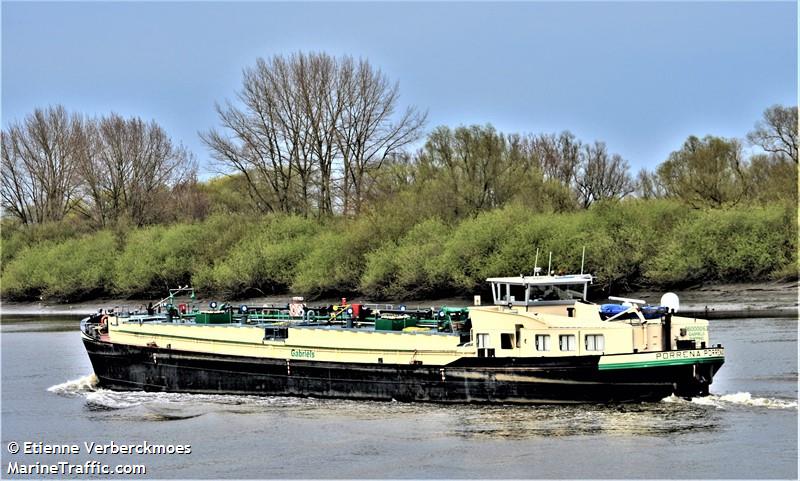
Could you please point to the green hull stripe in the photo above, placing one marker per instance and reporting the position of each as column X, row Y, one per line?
column 665, row 362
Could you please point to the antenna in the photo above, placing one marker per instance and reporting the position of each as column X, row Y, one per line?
column 549, row 262
column 535, row 262
column 583, row 258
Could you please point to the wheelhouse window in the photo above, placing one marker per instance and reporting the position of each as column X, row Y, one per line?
column 566, row 342
column 543, row 342
column 482, row 340
column 506, row 341
column 560, row 292
column 595, row 342
column 516, row 293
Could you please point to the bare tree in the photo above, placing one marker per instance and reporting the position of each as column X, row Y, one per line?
column 366, row 134
column 300, row 118
column 40, row 158
column 777, row 132
column 262, row 137
column 601, row 176
column 321, row 99
column 131, row 170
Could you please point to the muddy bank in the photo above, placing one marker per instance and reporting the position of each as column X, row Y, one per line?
column 766, row 299
column 769, row 299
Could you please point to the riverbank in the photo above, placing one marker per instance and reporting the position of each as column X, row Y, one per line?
column 632, row 243
column 724, row 301
column 712, row 301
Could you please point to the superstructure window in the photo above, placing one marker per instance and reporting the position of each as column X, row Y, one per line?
column 562, row 292
column 542, row 342
column 482, row 340
column 566, row 342
column 516, row 293
column 506, row 341
column 595, row 342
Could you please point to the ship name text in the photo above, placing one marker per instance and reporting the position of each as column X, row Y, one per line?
column 689, row 354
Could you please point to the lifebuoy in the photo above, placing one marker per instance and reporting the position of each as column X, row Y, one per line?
column 104, row 320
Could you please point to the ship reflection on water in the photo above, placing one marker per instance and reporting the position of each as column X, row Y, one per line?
column 651, row 419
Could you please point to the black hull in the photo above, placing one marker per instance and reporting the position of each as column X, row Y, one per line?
column 479, row 380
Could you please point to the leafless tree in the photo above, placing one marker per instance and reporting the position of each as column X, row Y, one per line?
column 319, row 80
column 40, row 158
column 777, row 132
column 131, row 170
column 301, row 119
column 601, row 175
column 260, row 144
column 366, row 132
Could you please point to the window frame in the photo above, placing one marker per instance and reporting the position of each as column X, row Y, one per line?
column 568, row 338
column 595, row 338
column 545, row 345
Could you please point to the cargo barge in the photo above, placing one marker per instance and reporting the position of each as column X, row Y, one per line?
column 540, row 341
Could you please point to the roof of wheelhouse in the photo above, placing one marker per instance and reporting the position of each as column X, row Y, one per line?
column 543, row 280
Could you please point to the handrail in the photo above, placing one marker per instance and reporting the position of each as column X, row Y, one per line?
column 172, row 293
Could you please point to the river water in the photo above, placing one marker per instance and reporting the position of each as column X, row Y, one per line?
column 747, row 428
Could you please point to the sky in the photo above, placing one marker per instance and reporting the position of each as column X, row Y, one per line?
column 640, row 76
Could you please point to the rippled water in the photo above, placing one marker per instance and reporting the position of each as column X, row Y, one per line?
column 747, row 428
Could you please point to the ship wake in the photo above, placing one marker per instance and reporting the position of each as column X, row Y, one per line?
column 739, row 399
column 76, row 387
column 167, row 405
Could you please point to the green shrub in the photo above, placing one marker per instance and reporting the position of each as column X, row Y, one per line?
column 156, row 259
column 728, row 245
column 12, row 243
column 264, row 260
column 337, row 257
column 15, row 236
column 470, row 254
column 389, row 254
column 26, row 276
column 404, row 268
column 631, row 234
column 69, row 270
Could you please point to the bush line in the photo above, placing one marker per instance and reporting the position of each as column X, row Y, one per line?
column 629, row 244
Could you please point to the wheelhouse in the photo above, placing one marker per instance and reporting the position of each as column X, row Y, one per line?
column 540, row 290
